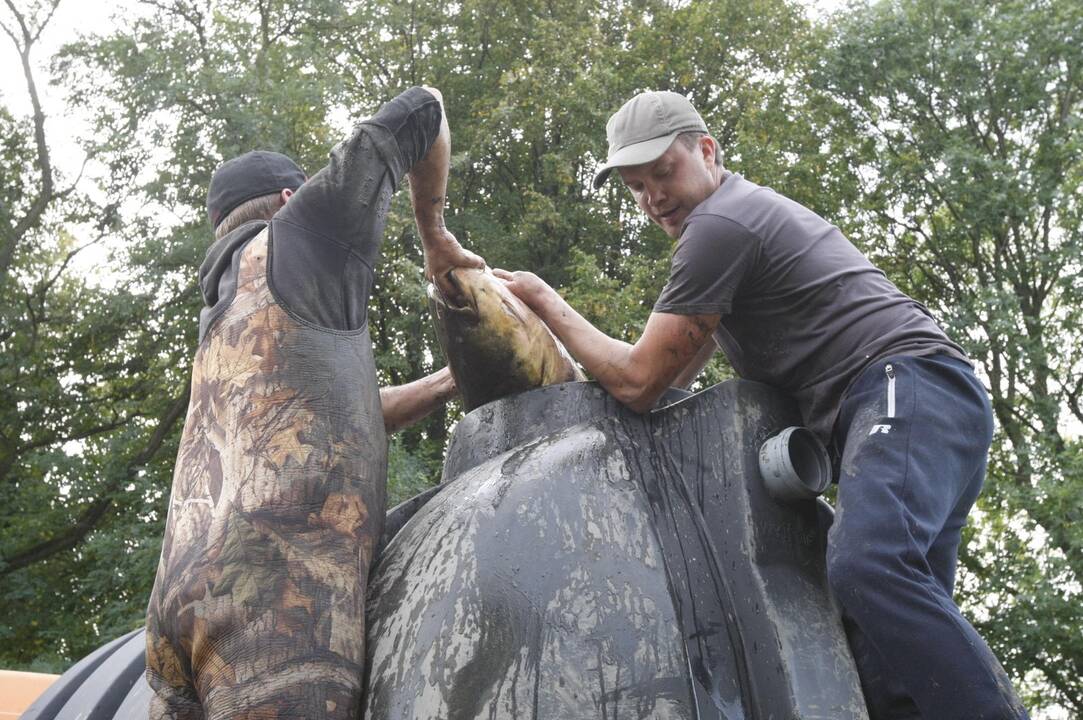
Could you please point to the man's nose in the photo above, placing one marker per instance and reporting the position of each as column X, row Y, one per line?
column 655, row 195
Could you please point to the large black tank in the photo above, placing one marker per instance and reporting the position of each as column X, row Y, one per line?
column 582, row 561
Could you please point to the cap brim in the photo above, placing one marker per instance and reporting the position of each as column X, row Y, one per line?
column 637, row 154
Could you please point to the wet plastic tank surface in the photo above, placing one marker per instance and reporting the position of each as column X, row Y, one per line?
column 583, row 561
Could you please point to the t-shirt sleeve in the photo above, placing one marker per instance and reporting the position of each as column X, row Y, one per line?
column 713, row 257
column 326, row 239
column 412, row 122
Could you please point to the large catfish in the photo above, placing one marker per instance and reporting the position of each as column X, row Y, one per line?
column 494, row 344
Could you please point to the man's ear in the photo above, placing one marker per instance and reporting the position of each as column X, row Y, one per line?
column 285, row 195
column 709, row 147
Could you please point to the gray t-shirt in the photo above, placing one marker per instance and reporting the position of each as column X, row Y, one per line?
column 802, row 309
column 324, row 242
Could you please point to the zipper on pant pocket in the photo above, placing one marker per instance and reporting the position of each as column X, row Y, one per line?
column 889, row 370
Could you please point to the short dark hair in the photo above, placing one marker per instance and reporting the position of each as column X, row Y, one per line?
column 691, row 138
column 258, row 208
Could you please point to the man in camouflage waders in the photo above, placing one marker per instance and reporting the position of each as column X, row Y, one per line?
column 258, row 607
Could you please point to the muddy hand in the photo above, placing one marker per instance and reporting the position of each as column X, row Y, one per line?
column 442, row 253
column 527, row 286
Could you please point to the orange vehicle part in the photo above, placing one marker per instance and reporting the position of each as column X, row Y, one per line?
column 19, row 689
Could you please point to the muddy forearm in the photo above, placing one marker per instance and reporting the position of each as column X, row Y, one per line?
column 637, row 375
column 404, row 405
column 428, row 190
column 607, row 359
column 428, row 183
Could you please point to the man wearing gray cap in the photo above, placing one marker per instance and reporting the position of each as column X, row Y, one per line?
column 258, row 605
column 793, row 304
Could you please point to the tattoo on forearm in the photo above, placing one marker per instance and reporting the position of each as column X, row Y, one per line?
column 439, row 200
column 705, row 329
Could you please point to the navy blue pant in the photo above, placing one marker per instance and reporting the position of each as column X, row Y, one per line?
column 913, row 433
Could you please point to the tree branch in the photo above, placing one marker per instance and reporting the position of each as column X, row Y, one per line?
column 77, row 435
column 93, row 513
column 52, row 11
column 47, row 284
column 45, row 193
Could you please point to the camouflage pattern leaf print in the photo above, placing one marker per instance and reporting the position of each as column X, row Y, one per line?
column 278, row 498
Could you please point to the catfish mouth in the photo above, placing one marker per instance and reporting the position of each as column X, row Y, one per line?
column 454, row 296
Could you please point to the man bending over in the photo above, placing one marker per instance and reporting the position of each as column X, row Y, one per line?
column 795, row 305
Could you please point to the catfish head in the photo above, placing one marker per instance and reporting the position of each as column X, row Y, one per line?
column 494, row 344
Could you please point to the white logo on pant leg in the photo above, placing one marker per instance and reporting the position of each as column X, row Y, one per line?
column 885, row 429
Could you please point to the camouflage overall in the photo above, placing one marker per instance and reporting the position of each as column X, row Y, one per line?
column 278, row 498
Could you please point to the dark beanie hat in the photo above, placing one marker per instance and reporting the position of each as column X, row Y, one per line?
column 248, row 176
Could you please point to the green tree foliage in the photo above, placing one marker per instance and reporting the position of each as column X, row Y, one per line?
column 942, row 136
column 83, row 414
column 973, row 114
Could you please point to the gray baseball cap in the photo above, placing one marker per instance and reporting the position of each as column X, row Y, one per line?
column 645, row 127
